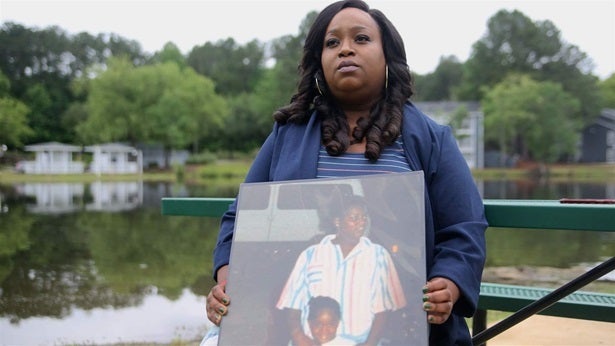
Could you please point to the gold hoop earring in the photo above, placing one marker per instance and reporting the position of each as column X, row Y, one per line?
column 386, row 77
column 318, row 86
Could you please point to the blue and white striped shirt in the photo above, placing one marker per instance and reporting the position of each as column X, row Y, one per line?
column 392, row 160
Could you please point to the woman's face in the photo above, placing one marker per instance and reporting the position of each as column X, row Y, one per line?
column 353, row 59
column 353, row 225
column 324, row 326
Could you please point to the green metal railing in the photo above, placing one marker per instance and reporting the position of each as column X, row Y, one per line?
column 536, row 214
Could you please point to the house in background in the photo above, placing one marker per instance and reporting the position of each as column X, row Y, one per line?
column 598, row 139
column 115, row 158
column 469, row 132
column 155, row 156
column 52, row 158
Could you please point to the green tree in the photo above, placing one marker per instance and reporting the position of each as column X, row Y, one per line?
column 439, row 85
column 42, row 117
column 535, row 120
column 516, row 44
column 607, row 90
column 39, row 54
column 13, row 121
column 13, row 117
column 235, row 69
column 41, row 64
column 245, row 122
column 76, row 114
column 111, row 106
column 287, row 52
column 187, row 111
column 157, row 103
column 170, row 53
column 279, row 83
column 251, row 115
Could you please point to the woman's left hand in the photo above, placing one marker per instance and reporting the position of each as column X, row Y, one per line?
column 439, row 296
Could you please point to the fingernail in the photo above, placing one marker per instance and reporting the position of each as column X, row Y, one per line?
column 431, row 319
column 218, row 317
column 425, row 289
column 427, row 306
column 224, row 301
column 221, row 310
column 425, row 298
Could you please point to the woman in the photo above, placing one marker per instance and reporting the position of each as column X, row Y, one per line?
column 352, row 106
column 348, row 267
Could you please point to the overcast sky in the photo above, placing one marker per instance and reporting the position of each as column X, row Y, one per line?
column 430, row 29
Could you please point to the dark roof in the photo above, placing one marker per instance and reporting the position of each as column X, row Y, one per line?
column 606, row 119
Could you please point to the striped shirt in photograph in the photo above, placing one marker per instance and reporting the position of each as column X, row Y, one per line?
column 364, row 283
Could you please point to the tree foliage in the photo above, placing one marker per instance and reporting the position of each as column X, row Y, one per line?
column 516, row 44
column 41, row 65
column 251, row 113
column 535, row 120
column 13, row 117
column 440, row 84
column 87, row 88
column 153, row 104
column 35, row 54
column 235, row 69
column 13, row 122
column 245, row 128
column 169, row 53
column 607, row 90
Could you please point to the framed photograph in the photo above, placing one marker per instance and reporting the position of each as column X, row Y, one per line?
column 339, row 261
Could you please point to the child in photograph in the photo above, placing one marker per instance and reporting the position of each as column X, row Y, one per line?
column 324, row 318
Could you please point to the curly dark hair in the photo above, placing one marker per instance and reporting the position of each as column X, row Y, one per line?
column 385, row 119
column 319, row 303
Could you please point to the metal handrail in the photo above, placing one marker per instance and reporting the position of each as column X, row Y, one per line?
column 544, row 302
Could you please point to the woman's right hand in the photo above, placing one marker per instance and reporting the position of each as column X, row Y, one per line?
column 217, row 301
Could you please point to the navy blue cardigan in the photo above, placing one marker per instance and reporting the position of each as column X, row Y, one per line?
column 454, row 213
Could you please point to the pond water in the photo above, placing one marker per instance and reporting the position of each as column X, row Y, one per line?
column 97, row 263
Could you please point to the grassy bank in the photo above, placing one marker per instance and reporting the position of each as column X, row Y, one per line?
column 9, row 177
column 574, row 172
column 232, row 172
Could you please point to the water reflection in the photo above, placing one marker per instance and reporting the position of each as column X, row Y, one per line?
column 73, row 256
column 53, row 198
column 97, row 263
column 154, row 320
column 112, row 197
column 540, row 189
column 59, row 198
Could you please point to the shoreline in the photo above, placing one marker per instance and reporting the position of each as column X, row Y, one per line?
column 236, row 170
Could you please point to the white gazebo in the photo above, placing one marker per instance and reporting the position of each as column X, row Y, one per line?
column 115, row 158
column 53, row 158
